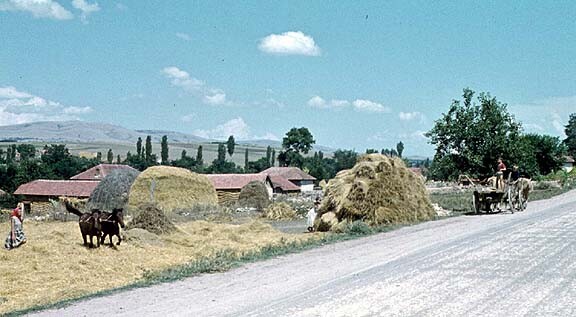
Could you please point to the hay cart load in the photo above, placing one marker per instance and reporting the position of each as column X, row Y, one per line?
column 490, row 198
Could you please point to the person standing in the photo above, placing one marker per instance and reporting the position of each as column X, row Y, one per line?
column 16, row 236
column 311, row 215
column 500, row 170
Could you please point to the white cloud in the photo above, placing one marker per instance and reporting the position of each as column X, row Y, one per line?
column 548, row 116
column 319, row 102
column 77, row 110
column 289, row 43
column 22, row 107
column 236, row 127
column 121, row 6
column 183, row 36
column 86, row 8
column 208, row 95
column 358, row 104
column 409, row 116
column 216, row 99
column 38, row 8
column 189, row 117
column 369, row 106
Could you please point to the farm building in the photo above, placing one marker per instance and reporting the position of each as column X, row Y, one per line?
column 568, row 164
column 295, row 175
column 100, row 171
column 281, row 185
column 37, row 194
column 228, row 186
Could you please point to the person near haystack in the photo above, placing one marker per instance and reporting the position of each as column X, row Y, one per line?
column 16, row 236
column 311, row 215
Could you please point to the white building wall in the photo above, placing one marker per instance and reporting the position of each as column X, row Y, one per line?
column 307, row 187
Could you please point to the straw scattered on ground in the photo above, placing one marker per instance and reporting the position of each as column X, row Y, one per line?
column 54, row 265
column 172, row 188
column 377, row 190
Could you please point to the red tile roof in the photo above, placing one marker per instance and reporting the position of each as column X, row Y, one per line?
column 235, row 181
column 284, row 184
column 70, row 188
column 100, row 171
column 290, row 173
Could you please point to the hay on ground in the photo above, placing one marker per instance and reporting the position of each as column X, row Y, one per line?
column 171, row 188
column 377, row 190
column 142, row 237
column 279, row 211
column 255, row 195
column 112, row 192
column 151, row 218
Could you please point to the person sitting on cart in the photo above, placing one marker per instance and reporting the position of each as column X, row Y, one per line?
column 515, row 173
column 500, row 170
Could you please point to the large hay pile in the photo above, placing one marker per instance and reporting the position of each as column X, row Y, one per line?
column 279, row 211
column 255, row 195
column 377, row 190
column 112, row 192
column 171, row 188
column 152, row 219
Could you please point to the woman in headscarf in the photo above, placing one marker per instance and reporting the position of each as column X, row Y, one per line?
column 16, row 236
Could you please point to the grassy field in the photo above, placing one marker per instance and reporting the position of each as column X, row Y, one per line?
column 54, row 266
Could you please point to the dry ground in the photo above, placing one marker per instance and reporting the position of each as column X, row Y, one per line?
column 54, row 265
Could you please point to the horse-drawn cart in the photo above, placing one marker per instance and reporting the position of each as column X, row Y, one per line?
column 495, row 197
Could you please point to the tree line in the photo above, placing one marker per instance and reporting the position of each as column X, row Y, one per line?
column 475, row 132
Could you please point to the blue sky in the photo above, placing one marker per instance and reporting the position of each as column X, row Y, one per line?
column 357, row 74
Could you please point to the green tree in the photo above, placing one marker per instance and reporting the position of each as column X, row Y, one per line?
column 221, row 153
column 148, row 156
column 297, row 141
column 230, row 144
column 570, row 130
column 269, row 155
column 27, row 151
column 471, row 136
column 273, row 159
column 246, row 161
column 99, row 156
column 199, row 158
column 164, row 150
column 139, row 147
column 183, row 154
column 540, row 154
column 400, row 148
column 110, row 157
column 118, row 160
column 371, row 151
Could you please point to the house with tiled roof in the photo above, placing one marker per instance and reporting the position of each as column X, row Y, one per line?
column 295, row 175
column 37, row 194
column 100, row 171
column 228, row 186
column 281, row 185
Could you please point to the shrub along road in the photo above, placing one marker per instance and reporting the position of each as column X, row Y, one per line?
column 503, row 264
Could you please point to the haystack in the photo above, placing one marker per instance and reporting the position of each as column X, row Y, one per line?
column 112, row 192
column 172, row 189
column 255, row 195
column 377, row 190
column 279, row 211
column 152, row 219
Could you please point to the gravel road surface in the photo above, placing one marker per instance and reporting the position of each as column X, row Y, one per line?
column 521, row 264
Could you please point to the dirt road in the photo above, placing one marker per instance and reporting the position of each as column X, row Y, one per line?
column 494, row 265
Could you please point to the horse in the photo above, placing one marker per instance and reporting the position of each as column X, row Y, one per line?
column 522, row 188
column 89, row 223
column 110, row 222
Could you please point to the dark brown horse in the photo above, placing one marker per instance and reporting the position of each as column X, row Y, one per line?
column 110, row 222
column 89, row 223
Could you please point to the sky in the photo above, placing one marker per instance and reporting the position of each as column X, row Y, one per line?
column 357, row 74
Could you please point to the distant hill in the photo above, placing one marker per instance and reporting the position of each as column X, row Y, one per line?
column 92, row 132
